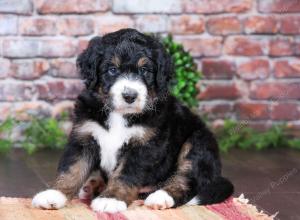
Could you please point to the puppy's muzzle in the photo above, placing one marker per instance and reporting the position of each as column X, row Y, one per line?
column 129, row 95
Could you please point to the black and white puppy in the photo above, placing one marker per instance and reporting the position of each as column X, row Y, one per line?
column 129, row 127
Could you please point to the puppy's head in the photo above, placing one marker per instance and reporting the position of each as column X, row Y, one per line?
column 129, row 71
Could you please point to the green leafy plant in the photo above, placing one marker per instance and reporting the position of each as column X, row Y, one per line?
column 39, row 133
column 187, row 75
column 43, row 133
column 237, row 135
column 6, row 128
column 294, row 143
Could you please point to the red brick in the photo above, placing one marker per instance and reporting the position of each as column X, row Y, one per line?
column 216, row 6
column 254, row 69
column 76, row 26
column 58, row 48
column 290, row 25
column 286, row 111
column 5, row 68
column 218, row 69
column 20, row 48
column 281, row 47
column 151, row 23
column 63, row 68
column 275, row 91
column 144, row 6
column 28, row 70
column 224, row 25
column 37, row 26
column 252, row 111
column 219, row 91
column 203, row 6
column 259, row 125
column 244, row 46
column 237, row 6
column 59, row 89
column 202, row 46
column 1, row 47
column 71, row 6
column 24, row 111
column 293, row 129
column 15, row 91
column 261, row 25
column 109, row 23
column 26, row 48
column 16, row 7
column 297, row 47
column 215, row 111
column 82, row 45
column 62, row 107
column 5, row 111
column 8, row 25
column 287, row 68
column 279, row 6
column 187, row 24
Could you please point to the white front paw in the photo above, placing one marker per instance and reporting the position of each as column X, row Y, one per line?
column 49, row 199
column 108, row 205
column 160, row 199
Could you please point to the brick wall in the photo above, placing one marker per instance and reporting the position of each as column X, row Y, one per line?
column 246, row 49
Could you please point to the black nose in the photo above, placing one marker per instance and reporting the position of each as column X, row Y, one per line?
column 129, row 96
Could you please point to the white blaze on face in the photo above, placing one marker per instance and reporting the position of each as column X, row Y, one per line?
column 121, row 86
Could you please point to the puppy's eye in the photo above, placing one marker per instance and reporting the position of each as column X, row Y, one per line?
column 143, row 70
column 113, row 71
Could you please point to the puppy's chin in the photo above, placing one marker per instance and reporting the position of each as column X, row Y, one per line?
column 128, row 110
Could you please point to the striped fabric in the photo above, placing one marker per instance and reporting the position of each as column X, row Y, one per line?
column 232, row 209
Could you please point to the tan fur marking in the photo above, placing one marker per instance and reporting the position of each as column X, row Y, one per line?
column 149, row 133
column 177, row 184
column 70, row 182
column 116, row 61
column 184, row 165
column 120, row 190
column 142, row 61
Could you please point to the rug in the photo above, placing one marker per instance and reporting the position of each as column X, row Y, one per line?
column 231, row 209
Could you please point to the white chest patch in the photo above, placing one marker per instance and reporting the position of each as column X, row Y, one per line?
column 111, row 140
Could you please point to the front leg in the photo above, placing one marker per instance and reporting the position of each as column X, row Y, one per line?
column 117, row 195
column 74, row 168
column 176, row 188
column 65, row 187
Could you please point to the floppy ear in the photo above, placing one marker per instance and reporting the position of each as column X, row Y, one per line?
column 165, row 70
column 88, row 62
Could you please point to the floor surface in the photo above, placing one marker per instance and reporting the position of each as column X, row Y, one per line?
column 270, row 179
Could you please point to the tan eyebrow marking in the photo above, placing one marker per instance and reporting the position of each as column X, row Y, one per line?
column 142, row 61
column 116, row 60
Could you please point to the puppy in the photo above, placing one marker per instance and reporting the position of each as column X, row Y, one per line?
column 128, row 126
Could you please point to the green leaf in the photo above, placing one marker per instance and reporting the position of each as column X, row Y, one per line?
column 7, row 125
column 30, row 147
column 294, row 143
column 44, row 133
column 186, row 73
column 5, row 145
